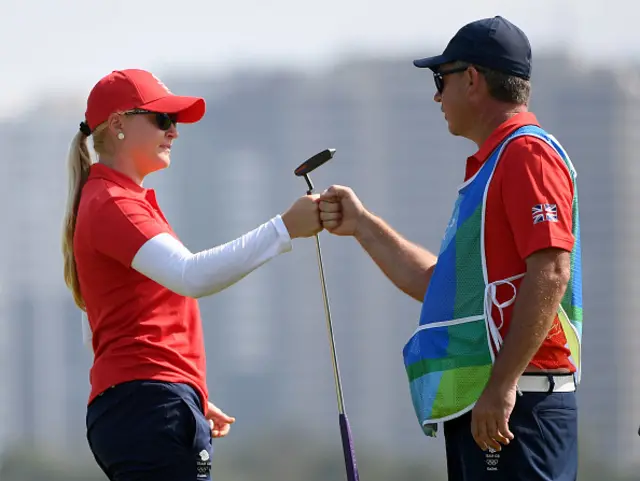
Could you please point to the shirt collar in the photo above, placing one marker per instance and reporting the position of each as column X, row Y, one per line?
column 501, row 132
column 101, row 171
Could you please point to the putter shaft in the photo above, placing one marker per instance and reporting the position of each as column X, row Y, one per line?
column 327, row 311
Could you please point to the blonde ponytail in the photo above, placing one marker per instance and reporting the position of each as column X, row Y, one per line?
column 78, row 164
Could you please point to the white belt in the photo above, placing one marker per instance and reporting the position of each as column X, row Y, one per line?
column 542, row 383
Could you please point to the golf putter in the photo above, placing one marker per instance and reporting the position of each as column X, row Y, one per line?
column 304, row 170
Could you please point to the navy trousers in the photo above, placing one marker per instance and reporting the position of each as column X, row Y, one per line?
column 545, row 448
column 149, row 430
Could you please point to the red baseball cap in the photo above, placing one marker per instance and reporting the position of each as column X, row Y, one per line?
column 124, row 90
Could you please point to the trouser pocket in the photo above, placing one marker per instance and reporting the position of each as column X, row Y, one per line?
column 152, row 430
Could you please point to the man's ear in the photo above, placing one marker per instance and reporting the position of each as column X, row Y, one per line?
column 473, row 76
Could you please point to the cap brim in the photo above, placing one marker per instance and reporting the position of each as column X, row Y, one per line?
column 432, row 62
column 188, row 110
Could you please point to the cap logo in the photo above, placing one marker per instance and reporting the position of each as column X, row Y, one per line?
column 161, row 84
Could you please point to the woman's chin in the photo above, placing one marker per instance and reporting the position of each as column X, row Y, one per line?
column 164, row 159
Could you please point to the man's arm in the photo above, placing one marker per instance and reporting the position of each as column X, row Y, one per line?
column 406, row 264
column 539, row 297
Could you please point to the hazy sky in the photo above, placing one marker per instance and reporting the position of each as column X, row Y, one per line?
column 65, row 46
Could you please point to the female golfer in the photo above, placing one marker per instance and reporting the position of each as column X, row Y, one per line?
column 149, row 415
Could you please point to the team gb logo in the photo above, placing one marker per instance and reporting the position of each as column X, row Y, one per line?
column 161, row 84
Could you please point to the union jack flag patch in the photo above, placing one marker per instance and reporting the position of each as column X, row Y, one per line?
column 544, row 212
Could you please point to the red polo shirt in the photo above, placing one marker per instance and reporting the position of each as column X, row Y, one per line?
column 529, row 173
column 141, row 330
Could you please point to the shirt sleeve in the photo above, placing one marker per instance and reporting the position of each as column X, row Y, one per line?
column 121, row 225
column 537, row 194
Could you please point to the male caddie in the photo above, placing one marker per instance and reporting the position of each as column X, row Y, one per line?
column 496, row 356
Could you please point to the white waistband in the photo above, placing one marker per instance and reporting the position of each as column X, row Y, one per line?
column 541, row 383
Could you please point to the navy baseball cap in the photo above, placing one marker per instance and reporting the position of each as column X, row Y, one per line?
column 494, row 43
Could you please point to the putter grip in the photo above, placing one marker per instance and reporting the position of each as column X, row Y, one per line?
column 347, row 448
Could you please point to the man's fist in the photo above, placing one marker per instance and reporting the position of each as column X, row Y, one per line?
column 340, row 210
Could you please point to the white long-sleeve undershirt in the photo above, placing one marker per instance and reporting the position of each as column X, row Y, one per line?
column 168, row 262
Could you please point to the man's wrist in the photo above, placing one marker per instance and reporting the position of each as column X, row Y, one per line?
column 502, row 384
column 503, row 381
column 365, row 227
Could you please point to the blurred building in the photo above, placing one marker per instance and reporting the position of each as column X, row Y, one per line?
column 623, row 408
column 268, row 349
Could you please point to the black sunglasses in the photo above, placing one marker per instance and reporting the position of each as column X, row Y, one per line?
column 163, row 121
column 438, row 76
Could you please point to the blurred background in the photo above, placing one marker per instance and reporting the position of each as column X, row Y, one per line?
column 284, row 80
